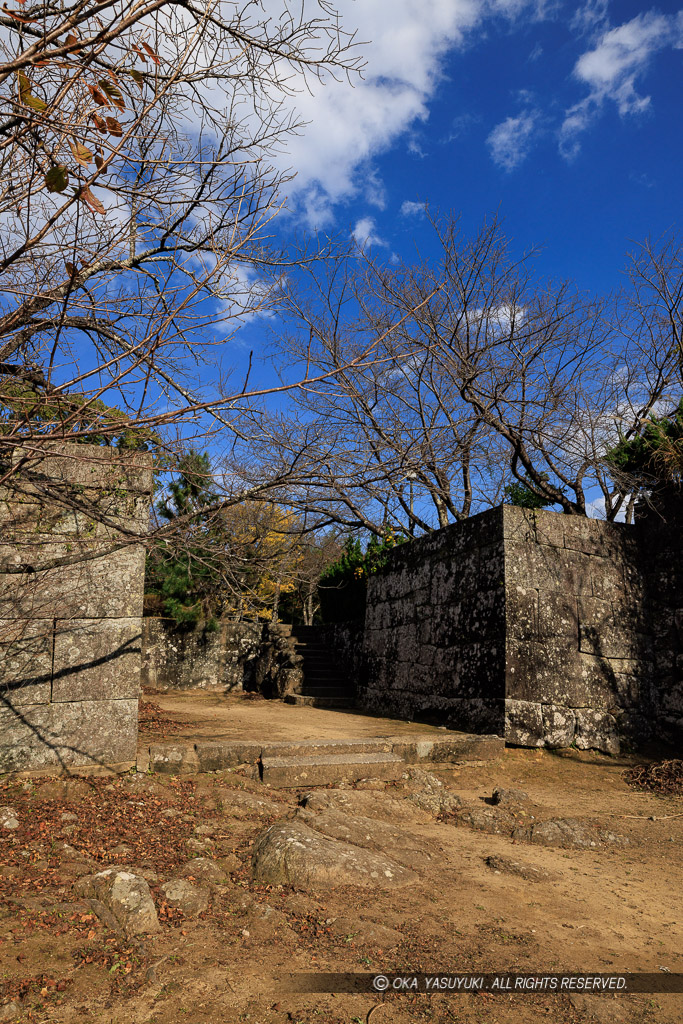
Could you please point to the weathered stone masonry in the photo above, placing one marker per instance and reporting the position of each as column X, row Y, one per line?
column 547, row 629
column 223, row 661
column 70, row 636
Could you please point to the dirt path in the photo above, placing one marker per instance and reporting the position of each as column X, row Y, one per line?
column 205, row 715
column 613, row 909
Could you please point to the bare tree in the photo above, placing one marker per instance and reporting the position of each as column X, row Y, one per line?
column 389, row 442
column 137, row 159
column 138, row 185
column 486, row 372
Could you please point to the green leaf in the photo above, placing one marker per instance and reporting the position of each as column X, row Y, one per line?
column 57, row 178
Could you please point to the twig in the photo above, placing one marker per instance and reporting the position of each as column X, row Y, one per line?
column 646, row 817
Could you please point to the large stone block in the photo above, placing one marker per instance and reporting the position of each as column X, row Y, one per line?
column 107, row 586
column 78, row 465
column 607, row 578
column 526, row 527
column 25, row 661
column 64, row 735
column 596, row 730
column 559, row 725
column 520, row 613
column 611, row 641
column 96, row 659
column 554, row 672
column 101, row 518
column 523, row 723
column 558, row 616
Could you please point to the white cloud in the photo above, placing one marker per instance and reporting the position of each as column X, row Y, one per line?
column 411, row 209
column 349, row 123
column 511, row 140
column 611, row 68
column 365, row 235
column 590, row 17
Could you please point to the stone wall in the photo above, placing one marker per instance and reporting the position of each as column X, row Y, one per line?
column 70, row 617
column 535, row 625
column 579, row 643
column 435, row 629
column 223, row 661
column 345, row 642
column 661, row 546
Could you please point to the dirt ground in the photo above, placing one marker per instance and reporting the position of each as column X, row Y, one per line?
column 201, row 714
column 613, row 909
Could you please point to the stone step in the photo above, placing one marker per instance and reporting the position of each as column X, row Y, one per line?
column 411, row 748
column 323, row 748
column 318, row 690
column 323, row 769
column 320, row 702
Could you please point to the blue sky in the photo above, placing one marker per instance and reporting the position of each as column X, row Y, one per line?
column 564, row 117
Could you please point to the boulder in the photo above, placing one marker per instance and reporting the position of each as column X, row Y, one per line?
column 507, row 797
column 292, row 853
column 126, row 895
column 229, row 863
column 8, row 818
column 370, row 834
column 495, row 820
column 236, row 804
column 429, row 792
column 366, row 804
column 569, row 834
column 204, row 870
column 185, row 896
column 503, row 865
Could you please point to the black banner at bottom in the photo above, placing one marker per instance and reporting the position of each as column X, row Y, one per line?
column 504, row 983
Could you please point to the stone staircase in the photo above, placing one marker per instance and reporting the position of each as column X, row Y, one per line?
column 325, row 685
column 293, row 764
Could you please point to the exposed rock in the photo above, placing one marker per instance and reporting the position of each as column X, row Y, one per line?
column 206, row 830
column 8, row 1011
column 495, row 820
column 68, row 816
column 76, row 790
column 429, row 792
column 185, row 896
column 53, row 790
column 514, row 867
column 292, row 853
column 568, row 833
column 229, row 862
column 264, row 923
column 371, row 834
column 8, row 818
column 199, row 845
column 237, row 804
column 70, row 853
column 204, row 869
column 364, row 803
column 506, row 797
column 126, row 895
